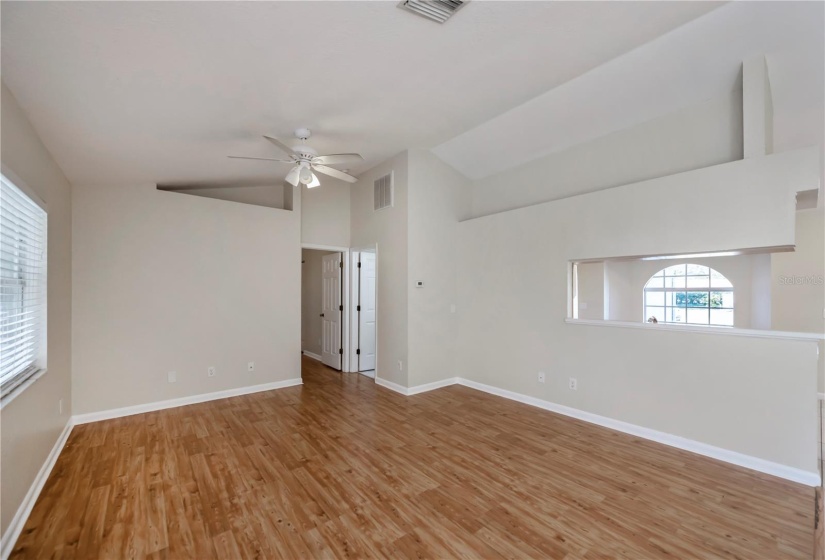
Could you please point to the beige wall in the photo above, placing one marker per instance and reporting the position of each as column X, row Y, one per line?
column 713, row 389
column 325, row 213
column 165, row 282
column 439, row 197
column 311, row 284
column 30, row 424
column 386, row 229
column 271, row 196
column 695, row 137
column 797, row 278
column 591, row 290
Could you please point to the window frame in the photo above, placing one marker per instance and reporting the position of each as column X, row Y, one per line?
column 710, row 289
column 39, row 364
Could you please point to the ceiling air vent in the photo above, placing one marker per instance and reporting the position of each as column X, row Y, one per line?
column 436, row 10
column 383, row 192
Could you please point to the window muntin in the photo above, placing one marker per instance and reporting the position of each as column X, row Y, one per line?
column 22, row 288
column 689, row 294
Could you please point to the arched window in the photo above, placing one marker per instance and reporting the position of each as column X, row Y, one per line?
column 689, row 294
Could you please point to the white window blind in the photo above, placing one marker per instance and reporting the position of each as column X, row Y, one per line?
column 22, row 287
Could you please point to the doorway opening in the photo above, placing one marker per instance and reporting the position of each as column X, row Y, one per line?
column 322, row 306
column 364, row 319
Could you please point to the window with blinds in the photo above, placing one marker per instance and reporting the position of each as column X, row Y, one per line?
column 22, row 288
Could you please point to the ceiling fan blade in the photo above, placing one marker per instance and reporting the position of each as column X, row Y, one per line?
column 334, row 173
column 314, row 183
column 263, row 158
column 332, row 159
column 292, row 176
column 281, row 145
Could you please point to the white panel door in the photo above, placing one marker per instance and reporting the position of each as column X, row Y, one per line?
column 366, row 318
column 331, row 311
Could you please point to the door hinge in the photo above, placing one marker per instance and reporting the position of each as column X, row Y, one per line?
column 340, row 308
column 359, row 265
column 340, row 264
column 358, row 309
column 340, row 350
column 358, row 352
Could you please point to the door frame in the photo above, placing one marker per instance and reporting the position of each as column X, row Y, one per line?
column 352, row 364
column 345, row 298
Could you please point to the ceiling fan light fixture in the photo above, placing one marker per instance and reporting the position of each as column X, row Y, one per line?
column 305, row 175
column 314, row 183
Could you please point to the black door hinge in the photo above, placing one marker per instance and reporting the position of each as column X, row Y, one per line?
column 358, row 309
column 340, row 308
column 359, row 265
column 341, row 264
column 358, row 352
column 340, row 350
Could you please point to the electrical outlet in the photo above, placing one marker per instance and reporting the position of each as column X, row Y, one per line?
column 210, row 371
column 572, row 384
column 60, row 406
column 400, row 365
column 250, row 366
column 541, row 377
column 172, row 376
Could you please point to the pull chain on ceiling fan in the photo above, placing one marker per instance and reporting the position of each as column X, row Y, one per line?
column 307, row 160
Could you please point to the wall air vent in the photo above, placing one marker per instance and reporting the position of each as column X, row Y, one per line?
column 436, row 10
column 383, row 192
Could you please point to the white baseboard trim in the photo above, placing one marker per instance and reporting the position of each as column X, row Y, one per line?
column 392, row 386
column 183, row 401
column 312, row 355
column 368, row 373
column 733, row 457
column 432, row 386
column 410, row 391
column 19, row 520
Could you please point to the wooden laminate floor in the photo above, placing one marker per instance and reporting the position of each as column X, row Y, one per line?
column 343, row 468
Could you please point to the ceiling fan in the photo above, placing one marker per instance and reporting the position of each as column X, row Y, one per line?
column 307, row 160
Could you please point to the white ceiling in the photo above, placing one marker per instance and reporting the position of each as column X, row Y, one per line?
column 691, row 64
column 137, row 92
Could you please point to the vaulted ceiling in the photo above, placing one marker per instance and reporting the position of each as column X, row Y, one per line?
column 161, row 92
column 137, row 92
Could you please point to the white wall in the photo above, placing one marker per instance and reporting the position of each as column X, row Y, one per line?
column 325, row 213
column 386, row 229
column 169, row 282
column 31, row 423
column 715, row 389
column 438, row 197
column 698, row 136
column 311, row 286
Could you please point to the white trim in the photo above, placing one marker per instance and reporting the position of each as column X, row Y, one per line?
column 368, row 373
column 707, row 329
column 21, row 516
column 821, row 396
column 432, row 386
column 183, row 401
column 809, row 478
column 312, row 355
column 392, row 386
column 408, row 392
